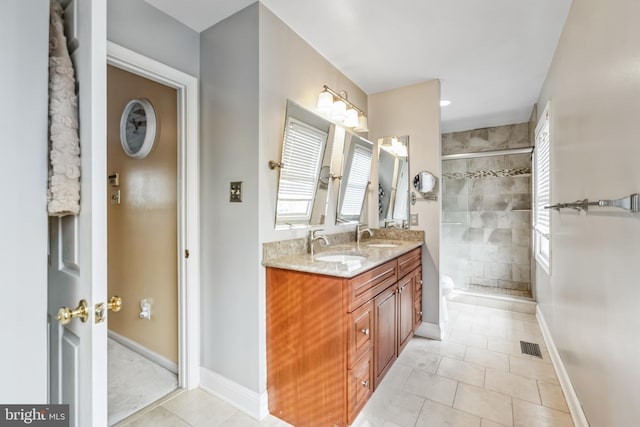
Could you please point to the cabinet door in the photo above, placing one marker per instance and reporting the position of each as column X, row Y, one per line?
column 417, row 305
column 385, row 332
column 405, row 310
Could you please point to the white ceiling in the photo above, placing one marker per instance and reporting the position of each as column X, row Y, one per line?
column 491, row 56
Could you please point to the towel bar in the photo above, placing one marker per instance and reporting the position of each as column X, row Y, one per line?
column 630, row 203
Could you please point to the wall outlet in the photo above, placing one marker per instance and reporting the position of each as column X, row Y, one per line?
column 235, row 191
column 414, row 219
column 115, row 197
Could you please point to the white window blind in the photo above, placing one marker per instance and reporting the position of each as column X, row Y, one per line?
column 301, row 159
column 542, row 190
column 357, row 181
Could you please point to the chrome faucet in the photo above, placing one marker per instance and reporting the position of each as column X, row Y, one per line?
column 313, row 238
column 360, row 231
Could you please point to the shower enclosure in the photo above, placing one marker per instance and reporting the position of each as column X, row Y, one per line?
column 486, row 220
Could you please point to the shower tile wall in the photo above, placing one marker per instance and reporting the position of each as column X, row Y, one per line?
column 487, row 221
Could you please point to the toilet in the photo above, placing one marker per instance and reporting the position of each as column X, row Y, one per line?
column 446, row 286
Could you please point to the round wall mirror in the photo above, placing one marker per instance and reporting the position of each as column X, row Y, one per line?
column 424, row 182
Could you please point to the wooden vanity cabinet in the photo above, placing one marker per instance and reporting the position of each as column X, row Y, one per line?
column 331, row 340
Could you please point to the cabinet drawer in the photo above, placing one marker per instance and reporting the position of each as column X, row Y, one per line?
column 360, row 332
column 409, row 261
column 360, row 386
column 364, row 287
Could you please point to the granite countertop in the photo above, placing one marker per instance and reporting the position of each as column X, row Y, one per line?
column 373, row 251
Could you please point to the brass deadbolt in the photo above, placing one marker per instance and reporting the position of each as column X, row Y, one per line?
column 115, row 303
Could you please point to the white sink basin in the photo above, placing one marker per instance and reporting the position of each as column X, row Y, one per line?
column 339, row 257
column 382, row 245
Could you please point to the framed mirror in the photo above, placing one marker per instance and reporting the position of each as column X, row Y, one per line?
column 354, row 180
column 305, row 168
column 393, row 181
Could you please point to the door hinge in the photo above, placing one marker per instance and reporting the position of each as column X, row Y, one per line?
column 186, row 253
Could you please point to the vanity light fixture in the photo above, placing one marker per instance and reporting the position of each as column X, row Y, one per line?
column 336, row 106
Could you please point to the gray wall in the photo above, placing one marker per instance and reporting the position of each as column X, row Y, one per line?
column 251, row 63
column 591, row 299
column 229, row 152
column 24, row 29
column 141, row 27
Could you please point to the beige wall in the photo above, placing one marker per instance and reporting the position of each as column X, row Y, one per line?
column 415, row 111
column 142, row 229
column 291, row 69
column 590, row 301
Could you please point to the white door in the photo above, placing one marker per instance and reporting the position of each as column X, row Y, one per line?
column 77, row 270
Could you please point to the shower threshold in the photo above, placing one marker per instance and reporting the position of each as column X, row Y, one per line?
column 492, row 290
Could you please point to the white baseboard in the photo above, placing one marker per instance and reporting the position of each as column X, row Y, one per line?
column 577, row 414
column 429, row 330
column 144, row 351
column 256, row 405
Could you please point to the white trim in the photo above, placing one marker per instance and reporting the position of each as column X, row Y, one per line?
column 429, row 330
column 577, row 413
column 253, row 404
column 144, row 351
column 188, row 196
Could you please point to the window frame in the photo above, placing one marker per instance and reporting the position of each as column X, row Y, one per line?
column 541, row 218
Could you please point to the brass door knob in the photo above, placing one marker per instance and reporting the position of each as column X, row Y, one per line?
column 115, row 303
column 65, row 314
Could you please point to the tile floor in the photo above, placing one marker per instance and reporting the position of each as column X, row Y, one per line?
column 477, row 377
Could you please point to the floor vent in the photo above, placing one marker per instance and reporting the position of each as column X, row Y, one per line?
column 531, row 349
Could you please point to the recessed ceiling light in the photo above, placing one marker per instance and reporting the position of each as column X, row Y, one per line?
column 444, row 102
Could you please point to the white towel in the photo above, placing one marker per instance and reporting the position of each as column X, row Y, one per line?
column 64, row 146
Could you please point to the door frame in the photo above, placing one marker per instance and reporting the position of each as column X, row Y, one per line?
column 188, row 202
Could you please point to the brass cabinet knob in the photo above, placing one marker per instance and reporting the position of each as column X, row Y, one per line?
column 115, row 303
column 65, row 314
column 365, row 384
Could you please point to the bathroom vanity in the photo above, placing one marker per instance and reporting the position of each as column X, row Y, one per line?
column 336, row 323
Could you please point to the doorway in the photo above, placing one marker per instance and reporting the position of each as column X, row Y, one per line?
column 142, row 240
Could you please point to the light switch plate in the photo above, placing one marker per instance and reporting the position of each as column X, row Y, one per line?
column 114, row 179
column 414, row 219
column 235, row 191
